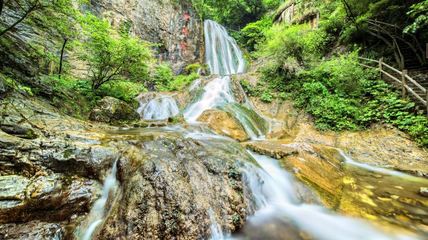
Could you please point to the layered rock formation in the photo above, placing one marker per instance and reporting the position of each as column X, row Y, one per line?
column 170, row 184
column 174, row 25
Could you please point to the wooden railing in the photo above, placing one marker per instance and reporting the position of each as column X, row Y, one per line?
column 400, row 78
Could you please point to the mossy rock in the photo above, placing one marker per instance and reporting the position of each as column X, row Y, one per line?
column 112, row 110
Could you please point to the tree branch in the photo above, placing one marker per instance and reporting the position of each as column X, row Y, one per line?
column 34, row 7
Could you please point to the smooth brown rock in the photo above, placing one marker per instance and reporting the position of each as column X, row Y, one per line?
column 224, row 124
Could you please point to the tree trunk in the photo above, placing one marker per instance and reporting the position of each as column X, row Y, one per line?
column 30, row 10
column 62, row 57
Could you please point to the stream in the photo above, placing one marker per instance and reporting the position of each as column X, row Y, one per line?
column 279, row 209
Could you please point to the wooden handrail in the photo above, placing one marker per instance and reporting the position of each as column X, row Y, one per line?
column 382, row 66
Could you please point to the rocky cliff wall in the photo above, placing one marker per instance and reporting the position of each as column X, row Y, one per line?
column 171, row 24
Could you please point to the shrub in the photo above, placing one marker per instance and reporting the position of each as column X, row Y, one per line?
column 124, row 90
column 162, row 76
column 254, row 33
column 297, row 41
column 182, row 81
column 112, row 56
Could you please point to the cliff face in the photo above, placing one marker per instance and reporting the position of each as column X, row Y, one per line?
column 171, row 24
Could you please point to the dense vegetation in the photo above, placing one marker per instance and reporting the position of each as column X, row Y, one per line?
column 96, row 60
column 319, row 68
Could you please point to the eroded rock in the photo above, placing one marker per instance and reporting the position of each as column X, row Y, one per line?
column 171, row 186
column 111, row 110
column 224, row 124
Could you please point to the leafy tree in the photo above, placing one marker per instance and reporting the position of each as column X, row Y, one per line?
column 112, row 56
column 419, row 12
column 234, row 14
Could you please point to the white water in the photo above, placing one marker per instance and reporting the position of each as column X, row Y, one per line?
column 275, row 198
column 224, row 58
column 159, row 108
column 98, row 211
column 216, row 232
column 380, row 170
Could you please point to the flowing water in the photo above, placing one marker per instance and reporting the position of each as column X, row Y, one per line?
column 159, row 108
column 275, row 198
column 98, row 211
column 224, row 59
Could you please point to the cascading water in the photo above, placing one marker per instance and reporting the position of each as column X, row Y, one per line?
column 224, row 58
column 159, row 108
column 275, row 198
column 98, row 211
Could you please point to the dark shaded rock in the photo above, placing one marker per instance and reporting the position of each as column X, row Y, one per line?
column 19, row 131
column 50, row 198
column 111, row 110
column 32, row 230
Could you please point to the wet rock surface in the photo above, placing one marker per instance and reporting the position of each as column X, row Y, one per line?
column 224, row 124
column 391, row 199
column 111, row 110
column 32, row 230
column 171, row 184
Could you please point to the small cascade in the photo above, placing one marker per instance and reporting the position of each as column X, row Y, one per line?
column 254, row 125
column 216, row 232
column 217, row 93
column 98, row 211
column 159, row 108
column 350, row 161
column 276, row 198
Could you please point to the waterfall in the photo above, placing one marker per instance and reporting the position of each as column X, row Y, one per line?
column 223, row 55
column 98, row 211
column 159, row 108
column 224, row 58
column 275, row 198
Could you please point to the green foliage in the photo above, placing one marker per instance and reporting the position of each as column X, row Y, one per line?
column 124, row 90
column 298, row 42
column 419, row 12
column 112, row 56
column 254, row 33
column 266, row 97
column 194, row 68
column 163, row 75
column 12, row 84
column 164, row 79
column 342, row 95
column 234, row 14
column 182, row 81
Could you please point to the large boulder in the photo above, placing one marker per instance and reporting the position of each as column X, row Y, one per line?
column 51, row 198
column 224, row 124
column 175, row 188
column 111, row 110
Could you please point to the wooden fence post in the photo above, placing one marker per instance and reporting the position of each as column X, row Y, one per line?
column 426, row 99
column 380, row 67
column 403, row 83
